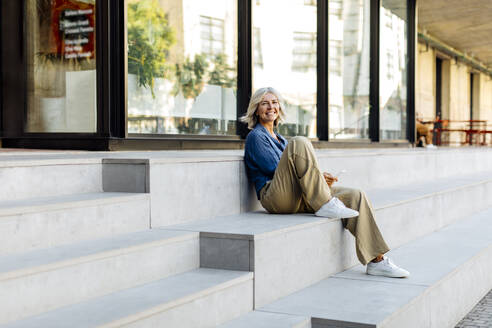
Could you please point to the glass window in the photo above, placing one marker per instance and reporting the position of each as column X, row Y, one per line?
column 212, row 36
column 335, row 57
column 258, row 56
column 335, row 8
column 182, row 59
column 61, row 65
column 348, row 79
column 304, row 52
column 288, row 62
column 393, row 69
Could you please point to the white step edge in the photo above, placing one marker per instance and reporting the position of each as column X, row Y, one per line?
column 199, row 298
column 53, row 221
column 46, row 160
column 46, row 279
column 54, row 203
column 258, row 319
column 450, row 272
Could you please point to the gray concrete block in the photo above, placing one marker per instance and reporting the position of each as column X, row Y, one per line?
column 51, row 221
column 43, row 280
column 126, row 175
column 198, row 298
column 226, row 253
column 259, row 319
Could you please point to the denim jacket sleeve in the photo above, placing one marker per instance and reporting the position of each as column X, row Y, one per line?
column 261, row 154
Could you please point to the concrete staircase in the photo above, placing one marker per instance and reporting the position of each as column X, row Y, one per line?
column 178, row 239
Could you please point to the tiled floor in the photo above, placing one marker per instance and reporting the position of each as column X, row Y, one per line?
column 480, row 316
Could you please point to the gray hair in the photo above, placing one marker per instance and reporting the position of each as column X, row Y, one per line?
column 251, row 118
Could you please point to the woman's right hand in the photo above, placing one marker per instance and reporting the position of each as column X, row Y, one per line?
column 330, row 179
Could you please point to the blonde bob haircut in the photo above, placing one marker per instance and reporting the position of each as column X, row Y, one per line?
column 251, row 118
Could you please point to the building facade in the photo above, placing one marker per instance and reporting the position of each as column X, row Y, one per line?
column 177, row 74
column 454, row 87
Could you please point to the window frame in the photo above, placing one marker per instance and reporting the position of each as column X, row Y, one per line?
column 112, row 87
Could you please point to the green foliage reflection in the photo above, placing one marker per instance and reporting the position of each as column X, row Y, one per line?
column 149, row 39
column 190, row 76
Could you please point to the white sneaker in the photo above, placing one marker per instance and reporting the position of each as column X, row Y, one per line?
column 335, row 209
column 430, row 146
column 386, row 268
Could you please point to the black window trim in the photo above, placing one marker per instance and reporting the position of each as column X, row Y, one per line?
column 111, row 63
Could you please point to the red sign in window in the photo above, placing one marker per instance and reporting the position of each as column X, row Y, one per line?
column 73, row 28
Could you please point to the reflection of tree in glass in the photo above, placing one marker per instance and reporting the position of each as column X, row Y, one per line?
column 149, row 39
column 190, row 77
column 221, row 73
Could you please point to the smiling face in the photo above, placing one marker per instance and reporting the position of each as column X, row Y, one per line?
column 268, row 109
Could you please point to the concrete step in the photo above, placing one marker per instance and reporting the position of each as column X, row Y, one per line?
column 51, row 221
column 450, row 272
column 224, row 190
column 421, row 208
column 66, row 173
column 258, row 319
column 198, row 298
column 386, row 168
column 290, row 252
column 43, row 280
column 25, row 177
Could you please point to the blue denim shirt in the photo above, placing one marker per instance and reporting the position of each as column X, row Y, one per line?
column 261, row 156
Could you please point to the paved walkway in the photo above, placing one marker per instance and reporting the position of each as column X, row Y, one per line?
column 480, row 316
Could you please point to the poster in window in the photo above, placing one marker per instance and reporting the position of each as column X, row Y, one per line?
column 73, row 28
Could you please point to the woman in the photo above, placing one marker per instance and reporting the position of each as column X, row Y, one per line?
column 287, row 180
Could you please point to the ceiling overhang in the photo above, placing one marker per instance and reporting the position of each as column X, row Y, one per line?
column 463, row 25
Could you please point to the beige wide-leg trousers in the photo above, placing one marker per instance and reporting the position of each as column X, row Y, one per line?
column 298, row 186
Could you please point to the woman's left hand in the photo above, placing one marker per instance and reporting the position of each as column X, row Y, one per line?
column 330, row 179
